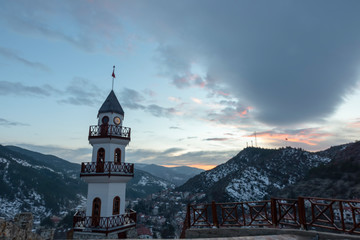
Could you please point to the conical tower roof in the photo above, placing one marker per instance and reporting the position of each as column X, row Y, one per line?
column 111, row 104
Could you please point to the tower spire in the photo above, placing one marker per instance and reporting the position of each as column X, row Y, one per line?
column 113, row 76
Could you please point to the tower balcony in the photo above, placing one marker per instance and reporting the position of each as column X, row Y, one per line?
column 83, row 223
column 109, row 131
column 106, row 168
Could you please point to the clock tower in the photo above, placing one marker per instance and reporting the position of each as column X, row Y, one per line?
column 107, row 174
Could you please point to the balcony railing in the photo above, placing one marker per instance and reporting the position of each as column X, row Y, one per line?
column 84, row 223
column 105, row 131
column 334, row 215
column 106, row 168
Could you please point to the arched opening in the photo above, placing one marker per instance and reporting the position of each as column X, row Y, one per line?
column 96, row 209
column 117, row 156
column 116, row 205
column 100, row 160
column 104, row 126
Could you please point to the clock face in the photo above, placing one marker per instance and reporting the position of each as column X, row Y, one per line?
column 117, row 120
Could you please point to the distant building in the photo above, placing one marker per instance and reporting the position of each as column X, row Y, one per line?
column 156, row 210
column 144, row 232
column 106, row 175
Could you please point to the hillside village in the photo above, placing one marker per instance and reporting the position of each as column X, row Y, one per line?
column 125, row 202
column 162, row 213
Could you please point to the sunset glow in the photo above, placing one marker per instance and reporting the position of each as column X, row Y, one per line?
column 194, row 89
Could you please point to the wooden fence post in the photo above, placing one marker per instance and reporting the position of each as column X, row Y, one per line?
column 186, row 222
column 273, row 212
column 214, row 213
column 302, row 214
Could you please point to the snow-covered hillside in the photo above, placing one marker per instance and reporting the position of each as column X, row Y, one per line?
column 254, row 174
column 37, row 185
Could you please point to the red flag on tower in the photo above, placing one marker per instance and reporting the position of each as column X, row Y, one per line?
column 113, row 74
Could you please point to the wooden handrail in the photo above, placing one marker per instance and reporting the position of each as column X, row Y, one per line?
column 321, row 213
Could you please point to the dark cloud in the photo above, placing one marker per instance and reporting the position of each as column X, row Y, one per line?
column 188, row 158
column 13, row 56
column 188, row 138
column 17, row 88
column 174, row 59
column 4, row 122
column 293, row 61
column 78, row 92
column 159, row 111
column 149, row 92
column 93, row 29
column 232, row 113
column 77, row 155
column 81, row 92
column 131, row 99
column 217, row 139
column 177, row 128
column 172, row 150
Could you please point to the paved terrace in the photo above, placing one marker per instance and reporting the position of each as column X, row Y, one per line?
column 264, row 234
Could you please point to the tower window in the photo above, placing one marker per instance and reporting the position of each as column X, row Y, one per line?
column 96, row 209
column 105, row 120
column 100, row 155
column 100, row 160
column 116, row 205
column 117, row 156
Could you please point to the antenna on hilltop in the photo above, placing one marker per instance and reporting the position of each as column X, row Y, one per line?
column 255, row 139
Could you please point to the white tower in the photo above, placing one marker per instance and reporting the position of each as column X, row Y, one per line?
column 107, row 175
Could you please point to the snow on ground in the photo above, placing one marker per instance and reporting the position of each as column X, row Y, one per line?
column 252, row 185
column 22, row 162
column 220, row 172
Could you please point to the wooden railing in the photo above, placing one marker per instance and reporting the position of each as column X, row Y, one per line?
column 305, row 212
column 103, row 131
column 107, row 168
column 84, row 223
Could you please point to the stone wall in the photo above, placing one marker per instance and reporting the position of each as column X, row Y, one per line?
column 19, row 229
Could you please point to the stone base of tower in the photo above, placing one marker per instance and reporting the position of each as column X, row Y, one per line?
column 112, row 227
column 127, row 233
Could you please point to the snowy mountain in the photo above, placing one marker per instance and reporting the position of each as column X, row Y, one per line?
column 175, row 175
column 255, row 174
column 339, row 179
column 47, row 185
column 144, row 184
column 44, row 185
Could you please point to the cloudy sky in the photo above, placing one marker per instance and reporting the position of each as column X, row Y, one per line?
column 196, row 79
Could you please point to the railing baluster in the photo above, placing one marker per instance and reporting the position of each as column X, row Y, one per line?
column 273, row 212
column 301, row 208
column 214, row 213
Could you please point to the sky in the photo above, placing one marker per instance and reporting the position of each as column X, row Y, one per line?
column 198, row 80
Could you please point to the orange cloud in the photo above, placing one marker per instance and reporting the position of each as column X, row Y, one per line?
column 201, row 166
column 196, row 100
column 306, row 136
column 222, row 93
column 355, row 124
